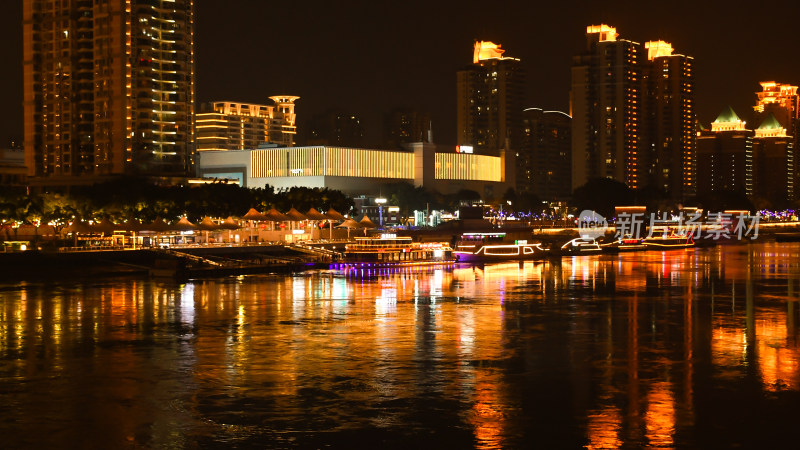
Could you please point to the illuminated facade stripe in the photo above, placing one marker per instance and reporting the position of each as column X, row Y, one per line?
column 331, row 161
column 464, row 166
column 238, row 126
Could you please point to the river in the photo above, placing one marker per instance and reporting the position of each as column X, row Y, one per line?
column 687, row 348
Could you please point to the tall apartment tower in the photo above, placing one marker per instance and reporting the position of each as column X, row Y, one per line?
column 774, row 162
column 783, row 102
column 606, row 109
column 780, row 100
column 544, row 164
column 725, row 156
column 668, row 133
column 490, row 99
column 108, row 89
column 633, row 114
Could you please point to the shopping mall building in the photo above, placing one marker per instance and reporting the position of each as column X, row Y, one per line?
column 360, row 171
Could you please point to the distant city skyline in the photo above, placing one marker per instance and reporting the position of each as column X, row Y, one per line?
column 370, row 58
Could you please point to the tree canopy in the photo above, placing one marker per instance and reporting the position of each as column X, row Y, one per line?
column 136, row 198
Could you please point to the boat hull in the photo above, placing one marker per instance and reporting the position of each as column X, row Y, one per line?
column 391, row 250
column 668, row 244
column 508, row 252
column 580, row 246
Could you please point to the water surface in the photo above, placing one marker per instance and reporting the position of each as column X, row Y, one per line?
column 687, row 348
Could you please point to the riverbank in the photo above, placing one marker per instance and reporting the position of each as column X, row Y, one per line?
column 220, row 261
column 194, row 262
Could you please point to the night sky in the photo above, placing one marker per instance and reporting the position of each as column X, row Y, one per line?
column 371, row 56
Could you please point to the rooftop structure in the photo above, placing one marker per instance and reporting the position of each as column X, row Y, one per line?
column 236, row 126
column 770, row 127
column 728, row 120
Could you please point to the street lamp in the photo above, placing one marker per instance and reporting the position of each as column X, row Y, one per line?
column 380, row 201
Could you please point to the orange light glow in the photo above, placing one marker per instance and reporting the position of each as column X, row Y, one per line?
column 660, row 416
column 603, row 428
column 487, row 50
column 607, row 33
column 783, row 95
column 656, row 49
column 777, row 363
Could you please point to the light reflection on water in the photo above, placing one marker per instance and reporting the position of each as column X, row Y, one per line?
column 689, row 348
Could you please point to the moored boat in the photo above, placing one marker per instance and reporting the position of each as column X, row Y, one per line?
column 390, row 249
column 486, row 247
column 581, row 245
column 626, row 244
column 668, row 240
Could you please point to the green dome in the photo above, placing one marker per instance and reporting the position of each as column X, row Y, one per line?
column 727, row 115
column 770, row 123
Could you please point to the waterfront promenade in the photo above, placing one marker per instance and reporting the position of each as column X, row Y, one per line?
column 231, row 258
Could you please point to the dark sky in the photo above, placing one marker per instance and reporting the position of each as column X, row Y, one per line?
column 370, row 56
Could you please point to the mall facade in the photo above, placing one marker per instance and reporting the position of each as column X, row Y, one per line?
column 361, row 171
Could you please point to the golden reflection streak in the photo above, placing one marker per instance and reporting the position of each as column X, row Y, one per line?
column 489, row 411
column 461, row 334
column 660, row 415
column 778, row 364
column 480, row 338
column 603, row 428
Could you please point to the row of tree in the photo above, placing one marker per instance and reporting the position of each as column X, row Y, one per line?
column 137, row 198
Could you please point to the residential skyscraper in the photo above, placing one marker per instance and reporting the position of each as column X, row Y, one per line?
column 668, row 134
column 783, row 102
column 633, row 114
column 544, row 162
column 237, row 126
column 490, row 99
column 606, row 109
column 725, row 156
column 780, row 100
column 108, row 89
column 774, row 163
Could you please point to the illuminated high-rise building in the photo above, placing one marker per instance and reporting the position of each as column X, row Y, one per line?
column 774, row 163
column 725, row 156
column 490, row 99
column 606, row 109
column 544, row 162
column 108, row 89
column 633, row 114
column 668, row 136
column 237, row 126
column 780, row 100
column 783, row 102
